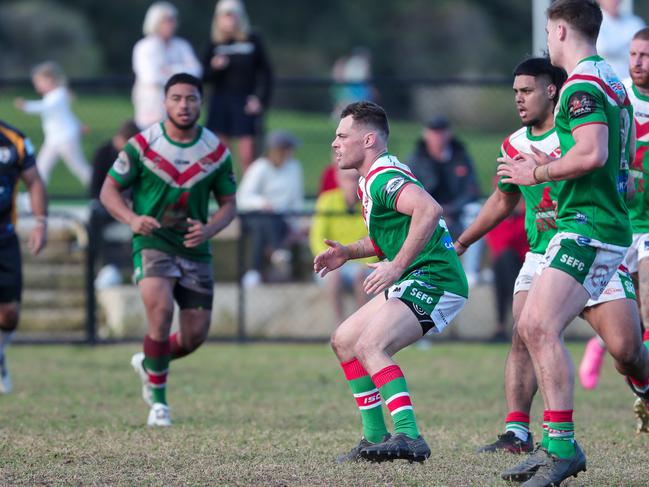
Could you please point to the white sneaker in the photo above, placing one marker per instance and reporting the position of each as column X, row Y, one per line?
column 137, row 361
column 5, row 378
column 159, row 415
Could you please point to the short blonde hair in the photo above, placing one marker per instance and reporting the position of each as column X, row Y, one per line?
column 237, row 8
column 156, row 13
column 51, row 70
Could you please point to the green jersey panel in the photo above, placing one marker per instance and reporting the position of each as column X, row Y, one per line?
column 593, row 205
column 388, row 228
column 639, row 204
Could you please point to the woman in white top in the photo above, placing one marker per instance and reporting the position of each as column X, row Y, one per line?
column 157, row 57
column 61, row 127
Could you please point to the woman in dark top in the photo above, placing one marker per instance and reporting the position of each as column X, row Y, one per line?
column 237, row 68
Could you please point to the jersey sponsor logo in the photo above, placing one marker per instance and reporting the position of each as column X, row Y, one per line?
column 581, row 218
column 5, row 155
column 581, row 104
column 583, row 241
column 394, row 184
column 545, row 214
column 122, row 164
column 573, row 262
column 181, row 162
column 646, row 244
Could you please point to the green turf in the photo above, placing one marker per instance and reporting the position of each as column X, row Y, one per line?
column 276, row 415
column 103, row 113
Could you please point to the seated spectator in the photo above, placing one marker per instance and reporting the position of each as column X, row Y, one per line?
column 328, row 178
column 338, row 217
column 102, row 161
column 443, row 166
column 271, row 187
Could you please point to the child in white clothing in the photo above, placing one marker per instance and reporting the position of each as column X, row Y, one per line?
column 61, row 127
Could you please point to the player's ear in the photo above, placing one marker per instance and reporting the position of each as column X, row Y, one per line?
column 562, row 30
column 370, row 139
column 551, row 90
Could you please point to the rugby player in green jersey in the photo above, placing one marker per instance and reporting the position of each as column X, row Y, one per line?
column 419, row 286
column 173, row 167
column 593, row 122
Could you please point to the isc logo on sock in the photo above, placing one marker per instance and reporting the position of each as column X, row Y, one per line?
column 372, row 399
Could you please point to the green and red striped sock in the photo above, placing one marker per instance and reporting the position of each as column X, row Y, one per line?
column 545, row 440
column 518, row 423
column 561, row 433
column 156, row 364
column 368, row 400
column 394, row 391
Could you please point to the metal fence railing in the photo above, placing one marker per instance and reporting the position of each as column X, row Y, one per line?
column 481, row 113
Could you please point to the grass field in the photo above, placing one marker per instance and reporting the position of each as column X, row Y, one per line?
column 103, row 113
column 276, row 415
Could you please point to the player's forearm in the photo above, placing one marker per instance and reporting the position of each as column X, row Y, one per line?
column 497, row 207
column 115, row 203
column 361, row 249
column 222, row 217
column 424, row 221
column 38, row 198
column 590, row 152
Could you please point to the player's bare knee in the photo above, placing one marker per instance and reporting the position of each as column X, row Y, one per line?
column 9, row 315
column 341, row 345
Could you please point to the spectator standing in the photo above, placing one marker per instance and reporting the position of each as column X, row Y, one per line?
column 443, row 166
column 352, row 75
column 507, row 244
column 338, row 218
column 61, row 127
column 102, row 161
column 615, row 34
column 239, row 72
column 272, row 186
column 156, row 57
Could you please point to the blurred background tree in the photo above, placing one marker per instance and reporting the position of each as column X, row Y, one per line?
column 416, row 38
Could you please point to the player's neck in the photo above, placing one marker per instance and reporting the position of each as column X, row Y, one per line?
column 543, row 126
column 370, row 159
column 576, row 53
column 643, row 91
column 178, row 134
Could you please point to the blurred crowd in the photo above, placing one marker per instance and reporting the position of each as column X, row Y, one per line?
column 238, row 75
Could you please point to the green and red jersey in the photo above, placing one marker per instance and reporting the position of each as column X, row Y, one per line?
column 540, row 214
column 593, row 205
column 639, row 204
column 172, row 182
column 387, row 228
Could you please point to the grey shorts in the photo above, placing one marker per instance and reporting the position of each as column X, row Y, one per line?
column 194, row 282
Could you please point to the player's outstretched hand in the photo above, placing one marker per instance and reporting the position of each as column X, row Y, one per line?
column 144, row 225
column 37, row 238
column 517, row 171
column 332, row 258
column 197, row 233
column 540, row 156
column 382, row 277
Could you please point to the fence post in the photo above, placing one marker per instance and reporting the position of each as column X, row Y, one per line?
column 241, row 302
column 91, row 303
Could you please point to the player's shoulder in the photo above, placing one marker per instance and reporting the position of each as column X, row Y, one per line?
column 595, row 77
column 10, row 131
